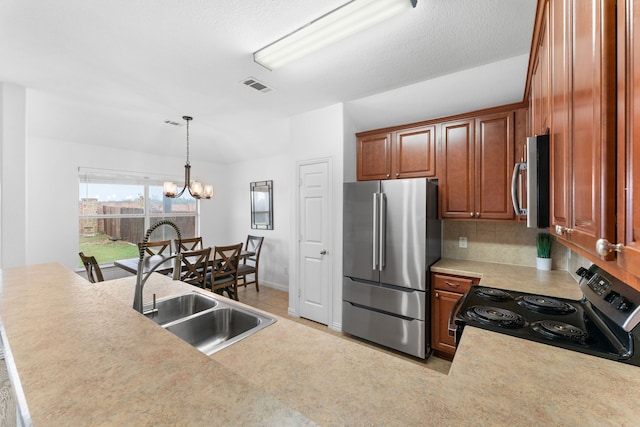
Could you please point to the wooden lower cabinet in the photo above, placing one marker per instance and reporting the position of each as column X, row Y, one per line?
column 446, row 291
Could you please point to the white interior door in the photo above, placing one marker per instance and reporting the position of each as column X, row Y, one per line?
column 313, row 236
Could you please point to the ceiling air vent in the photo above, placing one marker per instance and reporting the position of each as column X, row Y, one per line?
column 256, row 84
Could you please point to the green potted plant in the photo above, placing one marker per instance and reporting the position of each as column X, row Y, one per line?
column 544, row 242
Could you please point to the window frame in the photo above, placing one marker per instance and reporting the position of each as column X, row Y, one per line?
column 131, row 178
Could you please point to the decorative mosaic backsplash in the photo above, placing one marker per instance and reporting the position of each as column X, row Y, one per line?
column 500, row 242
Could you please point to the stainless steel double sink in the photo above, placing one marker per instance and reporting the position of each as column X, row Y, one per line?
column 207, row 323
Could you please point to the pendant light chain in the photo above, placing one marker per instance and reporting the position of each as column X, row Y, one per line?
column 188, row 119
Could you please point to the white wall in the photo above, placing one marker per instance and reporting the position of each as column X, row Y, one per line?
column 52, row 188
column 13, row 176
column 274, row 258
column 49, row 210
column 320, row 134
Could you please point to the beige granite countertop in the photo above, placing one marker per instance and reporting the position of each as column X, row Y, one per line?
column 554, row 283
column 86, row 358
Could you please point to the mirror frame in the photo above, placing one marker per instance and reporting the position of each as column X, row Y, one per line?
column 257, row 190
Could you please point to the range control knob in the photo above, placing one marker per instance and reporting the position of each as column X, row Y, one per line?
column 583, row 272
column 623, row 304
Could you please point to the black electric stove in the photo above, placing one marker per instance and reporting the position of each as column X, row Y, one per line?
column 603, row 323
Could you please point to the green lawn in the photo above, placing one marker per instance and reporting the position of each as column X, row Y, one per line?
column 105, row 250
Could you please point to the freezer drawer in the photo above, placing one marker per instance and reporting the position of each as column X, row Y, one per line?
column 401, row 301
column 402, row 334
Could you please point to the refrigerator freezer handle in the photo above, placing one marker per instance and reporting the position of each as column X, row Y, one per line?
column 376, row 238
column 382, row 239
column 515, row 197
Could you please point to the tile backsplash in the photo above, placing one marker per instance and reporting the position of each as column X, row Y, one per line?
column 500, row 242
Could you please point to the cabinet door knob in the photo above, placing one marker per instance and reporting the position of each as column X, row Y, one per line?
column 397, row 174
column 471, row 214
column 477, row 214
column 604, row 247
column 560, row 230
column 437, row 295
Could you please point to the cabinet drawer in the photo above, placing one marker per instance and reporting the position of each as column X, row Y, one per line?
column 458, row 284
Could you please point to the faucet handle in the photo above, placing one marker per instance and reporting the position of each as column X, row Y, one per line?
column 153, row 310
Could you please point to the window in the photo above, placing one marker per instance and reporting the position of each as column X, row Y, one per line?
column 117, row 208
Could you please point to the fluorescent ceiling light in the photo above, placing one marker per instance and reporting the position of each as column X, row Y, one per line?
column 330, row 28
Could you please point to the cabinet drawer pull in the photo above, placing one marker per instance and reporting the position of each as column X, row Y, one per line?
column 560, row 230
column 450, row 284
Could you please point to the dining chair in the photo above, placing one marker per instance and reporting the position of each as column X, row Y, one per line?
column 189, row 244
column 157, row 248
column 249, row 264
column 94, row 274
column 195, row 265
column 224, row 273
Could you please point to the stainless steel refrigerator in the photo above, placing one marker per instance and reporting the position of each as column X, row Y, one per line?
column 391, row 238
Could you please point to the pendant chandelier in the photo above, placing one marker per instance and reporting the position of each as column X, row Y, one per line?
column 196, row 188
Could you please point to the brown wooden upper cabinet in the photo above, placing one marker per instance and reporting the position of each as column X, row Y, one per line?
column 539, row 102
column 405, row 153
column 628, row 166
column 582, row 40
column 593, row 70
column 476, row 163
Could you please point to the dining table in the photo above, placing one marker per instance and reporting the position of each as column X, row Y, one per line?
column 164, row 267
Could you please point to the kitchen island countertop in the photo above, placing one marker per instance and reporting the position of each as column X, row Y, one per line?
column 86, row 358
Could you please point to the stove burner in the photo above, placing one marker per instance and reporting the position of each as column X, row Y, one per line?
column 559, row 330
column 496, row 316
column 494, row 294
column 545, row 305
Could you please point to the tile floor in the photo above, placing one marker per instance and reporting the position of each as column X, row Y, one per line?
column 277, row 302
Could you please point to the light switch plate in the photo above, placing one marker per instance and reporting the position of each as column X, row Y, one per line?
column 462, row 242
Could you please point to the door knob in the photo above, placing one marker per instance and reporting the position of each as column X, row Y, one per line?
column 603, row 247
column 323, row 252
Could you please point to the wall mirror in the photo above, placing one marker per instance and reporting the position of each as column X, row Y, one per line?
column 262, row 205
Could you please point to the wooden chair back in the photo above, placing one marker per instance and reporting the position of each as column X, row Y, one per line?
column 224, row 274
column 250, row 264
column 189, row 244
column 94, row 274
column 195, row 265
column 157, row 248
column 254, row 244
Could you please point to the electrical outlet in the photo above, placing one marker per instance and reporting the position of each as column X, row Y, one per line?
column 462, row 242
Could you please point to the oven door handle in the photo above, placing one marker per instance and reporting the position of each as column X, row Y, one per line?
column 451, row 326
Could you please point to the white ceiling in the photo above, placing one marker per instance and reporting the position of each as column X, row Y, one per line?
column 110, row 72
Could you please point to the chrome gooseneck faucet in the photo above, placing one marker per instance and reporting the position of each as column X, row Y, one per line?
column 141, row 277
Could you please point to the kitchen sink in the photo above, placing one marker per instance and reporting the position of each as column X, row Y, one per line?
column 174, row 308
column 207, row 323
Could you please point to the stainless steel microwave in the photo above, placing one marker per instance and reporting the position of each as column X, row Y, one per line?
column 537, row 167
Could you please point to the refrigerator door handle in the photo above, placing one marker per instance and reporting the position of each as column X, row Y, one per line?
column 376, row 242
column 382, row 238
